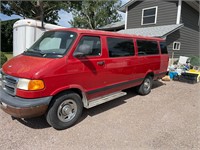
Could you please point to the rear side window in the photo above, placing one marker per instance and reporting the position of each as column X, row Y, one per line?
column 120, row 47
column 147, row 47
column 163, row 47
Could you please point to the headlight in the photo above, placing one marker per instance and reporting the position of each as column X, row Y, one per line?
column 31, row 85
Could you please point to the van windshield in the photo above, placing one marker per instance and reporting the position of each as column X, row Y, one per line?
column 52, row 44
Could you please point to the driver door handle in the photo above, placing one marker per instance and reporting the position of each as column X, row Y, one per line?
column 100, row 63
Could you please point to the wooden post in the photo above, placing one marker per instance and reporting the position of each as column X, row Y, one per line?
column 172, row 60
column 40, row 4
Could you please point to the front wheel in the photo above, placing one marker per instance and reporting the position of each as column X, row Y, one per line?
column 64, row 111
column 145, row 87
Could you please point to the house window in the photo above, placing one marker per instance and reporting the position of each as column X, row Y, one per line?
column 176, row 45
column 149, row 15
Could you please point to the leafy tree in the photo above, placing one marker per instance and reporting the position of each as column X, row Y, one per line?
column 37, row 9
column 7, row 35
column 94, row 14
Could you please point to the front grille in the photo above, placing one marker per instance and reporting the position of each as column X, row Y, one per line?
column 9, row 84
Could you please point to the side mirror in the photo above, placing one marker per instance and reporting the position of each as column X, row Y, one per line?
column 79, row 54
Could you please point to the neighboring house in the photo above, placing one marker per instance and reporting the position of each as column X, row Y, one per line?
column 177, row 21
column 113, row 26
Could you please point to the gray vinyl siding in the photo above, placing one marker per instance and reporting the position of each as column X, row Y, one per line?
column 187, row 35
column 167, row 13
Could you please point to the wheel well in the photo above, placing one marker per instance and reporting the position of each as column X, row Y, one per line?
column 151, row 74
column 78, row 91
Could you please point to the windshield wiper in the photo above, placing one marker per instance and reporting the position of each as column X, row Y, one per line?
column 34, row 52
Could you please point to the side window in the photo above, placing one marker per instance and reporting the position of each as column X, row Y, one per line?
column 89, row 46
column 163, row 47
column 120, row 47
column 147, row 47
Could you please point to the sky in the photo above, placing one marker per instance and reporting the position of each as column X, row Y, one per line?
column 64, row 16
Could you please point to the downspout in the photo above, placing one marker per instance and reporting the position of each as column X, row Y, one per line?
column 178, row 19
column 126, row 18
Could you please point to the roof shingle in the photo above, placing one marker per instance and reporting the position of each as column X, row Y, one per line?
column 157, row 31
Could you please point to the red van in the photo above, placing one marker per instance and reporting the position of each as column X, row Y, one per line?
column 68, row 69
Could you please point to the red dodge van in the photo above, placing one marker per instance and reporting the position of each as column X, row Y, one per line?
column 68, row 69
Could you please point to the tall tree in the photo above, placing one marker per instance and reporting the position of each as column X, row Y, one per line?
column 94, row 14
column 7, row 35
column 37, row 9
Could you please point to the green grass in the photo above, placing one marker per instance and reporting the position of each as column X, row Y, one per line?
column 9, row 55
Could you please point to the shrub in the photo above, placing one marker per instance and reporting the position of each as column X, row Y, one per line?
column 195, row 61
column 3, row 59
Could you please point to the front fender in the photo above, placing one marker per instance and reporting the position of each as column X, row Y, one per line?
column 73, row 88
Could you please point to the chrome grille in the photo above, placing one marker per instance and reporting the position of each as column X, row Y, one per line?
column 9, row 84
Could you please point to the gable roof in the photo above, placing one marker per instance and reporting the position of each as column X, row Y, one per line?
column 123, row 7
column 113, row 26
column 156, row 31
column 193, row 3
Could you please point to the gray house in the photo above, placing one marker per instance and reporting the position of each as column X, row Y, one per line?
column 177, row 21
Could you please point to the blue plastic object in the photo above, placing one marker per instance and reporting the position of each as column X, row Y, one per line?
column 172, row 75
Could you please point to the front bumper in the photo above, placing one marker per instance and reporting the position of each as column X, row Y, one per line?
column 23, row 108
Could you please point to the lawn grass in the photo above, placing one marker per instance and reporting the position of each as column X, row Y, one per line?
column 9, row 55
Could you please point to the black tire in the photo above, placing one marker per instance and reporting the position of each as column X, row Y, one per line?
column 145, row 87
column 64, row 110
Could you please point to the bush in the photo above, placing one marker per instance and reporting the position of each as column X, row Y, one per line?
column 195, row 61
column 3, row 59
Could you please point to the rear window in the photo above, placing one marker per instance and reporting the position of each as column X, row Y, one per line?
column 163, row 47
column 147, row 47
column 120, row 47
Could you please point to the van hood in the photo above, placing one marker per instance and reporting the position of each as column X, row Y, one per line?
column 23, row 66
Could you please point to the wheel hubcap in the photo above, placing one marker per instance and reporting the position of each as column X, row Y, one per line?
column 67, row 110
column 147, row 84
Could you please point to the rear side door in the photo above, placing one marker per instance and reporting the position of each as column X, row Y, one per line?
column 148, row 57
column 120, row 62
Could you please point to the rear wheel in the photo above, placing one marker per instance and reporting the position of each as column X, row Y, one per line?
column 64, row 111
column 145, row 87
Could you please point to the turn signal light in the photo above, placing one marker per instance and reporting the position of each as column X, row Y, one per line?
column 35, row 85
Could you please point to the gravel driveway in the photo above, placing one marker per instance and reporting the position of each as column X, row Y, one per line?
column 167, row 118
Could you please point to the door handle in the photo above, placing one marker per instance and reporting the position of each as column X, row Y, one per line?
column 100, row 63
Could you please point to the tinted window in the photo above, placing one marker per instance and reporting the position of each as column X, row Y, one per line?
column 119, row 47
column 147, row 47
column 91, row 45
column 163, row 47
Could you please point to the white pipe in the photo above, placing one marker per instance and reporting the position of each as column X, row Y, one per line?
column 178, row 19
column 126, row 18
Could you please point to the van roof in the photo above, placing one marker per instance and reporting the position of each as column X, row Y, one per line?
column 100, row 32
